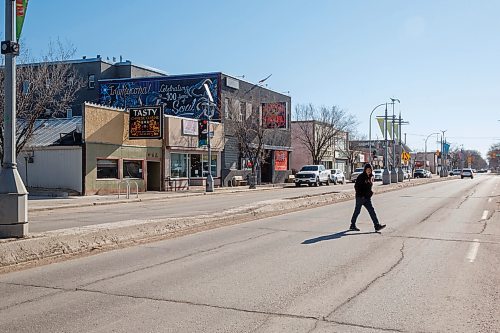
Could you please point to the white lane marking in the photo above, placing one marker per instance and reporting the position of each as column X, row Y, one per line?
column 485, row 215
column 489, row 200
column 471, row 255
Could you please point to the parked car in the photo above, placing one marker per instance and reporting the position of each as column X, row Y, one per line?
column 420, row 173
column 467, row 173
column 312, row 175
column 377, row 174
column 428, row 174
column 455, row 172
column 406, row 174
column 337, row 176
column 356, row 173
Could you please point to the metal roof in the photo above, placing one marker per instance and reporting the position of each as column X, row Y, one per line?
column 48, row 131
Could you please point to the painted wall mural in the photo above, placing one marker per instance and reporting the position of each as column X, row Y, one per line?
column 182, row 96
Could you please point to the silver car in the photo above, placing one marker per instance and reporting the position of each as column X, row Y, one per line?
column 356, row 173
column 337, row 176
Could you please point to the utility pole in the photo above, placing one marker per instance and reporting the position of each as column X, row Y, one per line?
column 394, row 175
column 13, row 194
column 443, row 161
column 386, row 177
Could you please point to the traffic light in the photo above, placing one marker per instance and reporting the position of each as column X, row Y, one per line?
column 202, row 132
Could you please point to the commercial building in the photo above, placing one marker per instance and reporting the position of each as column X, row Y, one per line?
column 234, row 100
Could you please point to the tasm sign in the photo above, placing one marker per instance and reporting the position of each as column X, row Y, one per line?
column 182, row 96
column 145, row 123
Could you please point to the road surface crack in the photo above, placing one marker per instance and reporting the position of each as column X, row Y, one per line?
column 371, row 282
column 180, row 258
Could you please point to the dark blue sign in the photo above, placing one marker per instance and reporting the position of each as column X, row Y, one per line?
column 182, row 96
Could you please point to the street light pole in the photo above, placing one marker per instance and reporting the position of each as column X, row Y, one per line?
column 442, row 172
column 210, row 180
column 13, row 194
column 425, row 151
column 394, row 174
column 386, row 177
column 370, row 132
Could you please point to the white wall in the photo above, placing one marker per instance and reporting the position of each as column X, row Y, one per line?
column 53, row 167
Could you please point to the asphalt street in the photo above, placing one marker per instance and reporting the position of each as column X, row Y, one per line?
column 435, row 268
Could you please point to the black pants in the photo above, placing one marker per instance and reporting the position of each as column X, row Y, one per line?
column 367, row 202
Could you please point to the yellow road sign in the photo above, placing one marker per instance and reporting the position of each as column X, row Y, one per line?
column 405, row 156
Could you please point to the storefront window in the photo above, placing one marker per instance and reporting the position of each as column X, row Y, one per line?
column 107, row 169
column 196, row 166
column 178, row 166
column 132, row 169
column 199, row 165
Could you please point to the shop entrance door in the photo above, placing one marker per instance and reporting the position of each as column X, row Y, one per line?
column 154, row 176
column 266, row 172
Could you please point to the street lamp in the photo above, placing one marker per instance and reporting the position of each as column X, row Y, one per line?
column 210, row 180
column 425, row 151
column 394, row 174
column 442, row 172
column 13, row 194
column 370, row 131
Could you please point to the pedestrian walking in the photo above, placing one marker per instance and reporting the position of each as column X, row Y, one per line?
column 363, row 187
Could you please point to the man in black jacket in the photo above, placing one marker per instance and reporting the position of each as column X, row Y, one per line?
column 363, row 187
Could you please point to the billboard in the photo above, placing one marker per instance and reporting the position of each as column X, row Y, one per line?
column 181, row 95
column 145, row 123
column 274, row 115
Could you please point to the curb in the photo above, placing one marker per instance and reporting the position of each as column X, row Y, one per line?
column 43, row 248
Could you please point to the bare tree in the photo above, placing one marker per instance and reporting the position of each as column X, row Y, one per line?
column 45, row 88
column 252, row 137
column 494, row 157
column 316, row 127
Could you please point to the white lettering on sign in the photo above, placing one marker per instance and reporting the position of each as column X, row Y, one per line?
column 144, row 112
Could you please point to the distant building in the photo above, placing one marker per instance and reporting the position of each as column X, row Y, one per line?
column 335, row 156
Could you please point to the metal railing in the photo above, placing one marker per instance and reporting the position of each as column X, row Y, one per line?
column 127, row 183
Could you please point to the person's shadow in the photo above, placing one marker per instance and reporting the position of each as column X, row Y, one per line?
column 337, row 236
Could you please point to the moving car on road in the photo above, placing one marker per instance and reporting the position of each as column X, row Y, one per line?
column 312, row 175
column 420, row 173
column 467, row 173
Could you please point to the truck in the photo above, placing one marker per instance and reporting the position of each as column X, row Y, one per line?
column 312, row 175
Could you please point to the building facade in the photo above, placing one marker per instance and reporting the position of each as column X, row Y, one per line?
column 233, row 100
column 335, row 152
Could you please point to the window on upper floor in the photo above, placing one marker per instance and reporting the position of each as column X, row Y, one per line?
column 91, row 81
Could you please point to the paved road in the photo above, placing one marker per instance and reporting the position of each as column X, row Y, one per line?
column 41, row 221
column 435, row 268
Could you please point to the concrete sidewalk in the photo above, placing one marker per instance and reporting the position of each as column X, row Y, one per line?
column 43, row 203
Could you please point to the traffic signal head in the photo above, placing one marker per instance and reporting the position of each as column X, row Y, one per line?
column 202, row 132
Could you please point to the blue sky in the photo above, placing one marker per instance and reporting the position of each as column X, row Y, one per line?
column 440, row 58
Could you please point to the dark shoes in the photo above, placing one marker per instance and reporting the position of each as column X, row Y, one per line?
column 379, row 227
column 353, row 228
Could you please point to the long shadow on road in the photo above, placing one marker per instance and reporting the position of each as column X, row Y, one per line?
column 337, row 236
